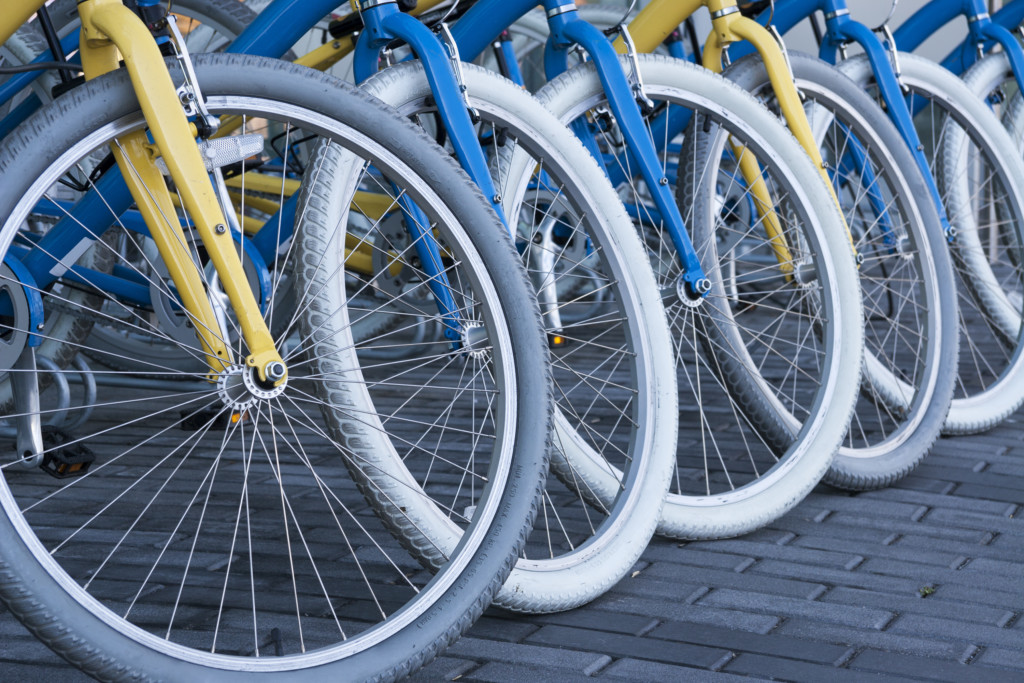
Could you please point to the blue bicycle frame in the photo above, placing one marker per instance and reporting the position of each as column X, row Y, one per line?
column 984, row 32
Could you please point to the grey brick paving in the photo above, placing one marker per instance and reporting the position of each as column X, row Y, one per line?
column 695, row 613
column 791, row 669
column 832, row 591
column 999, row 657
column 628, row 646
column 505, row 673
column 814, row 631
column 923, row 667
column 913, row 604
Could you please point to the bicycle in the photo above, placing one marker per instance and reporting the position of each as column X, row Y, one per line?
column 906, row 396
column 98, row 565
column 759, row 501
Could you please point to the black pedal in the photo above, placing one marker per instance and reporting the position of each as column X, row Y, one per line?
column 64, row 458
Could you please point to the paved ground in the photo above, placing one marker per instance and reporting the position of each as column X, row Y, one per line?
column 922, row 580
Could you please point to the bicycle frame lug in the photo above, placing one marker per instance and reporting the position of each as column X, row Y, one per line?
column 691, row 292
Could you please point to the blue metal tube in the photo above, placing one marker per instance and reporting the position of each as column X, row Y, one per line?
column 845, row 29
column 567, row 29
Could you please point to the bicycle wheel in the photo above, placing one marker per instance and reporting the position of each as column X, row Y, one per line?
column 979, row 178
column 906, row 275
column 614, row 438
column 728, row 480
column 217, row 532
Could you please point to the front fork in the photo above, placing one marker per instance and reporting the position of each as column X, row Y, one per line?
column 568, row 30
column 110, row 32
column 729, row 26
column 383, row 23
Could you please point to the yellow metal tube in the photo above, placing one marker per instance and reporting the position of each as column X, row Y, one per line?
column 134, row 156
column 655, row 22
column 108, row 23
column 788, row 98
column 751, row 171
column 254, row 181
column 15, row 13
column 328, row 54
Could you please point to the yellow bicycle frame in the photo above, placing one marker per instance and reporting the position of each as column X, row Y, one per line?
column 110, row 32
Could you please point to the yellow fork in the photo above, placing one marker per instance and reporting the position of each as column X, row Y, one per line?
column 110, row 31
column 656, row 21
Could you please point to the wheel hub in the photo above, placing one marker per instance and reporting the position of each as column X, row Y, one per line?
column 240, row 388
column 474, row 339
column 684, row 295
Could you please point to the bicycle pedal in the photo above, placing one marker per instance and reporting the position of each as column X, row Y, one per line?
column 64, row 461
